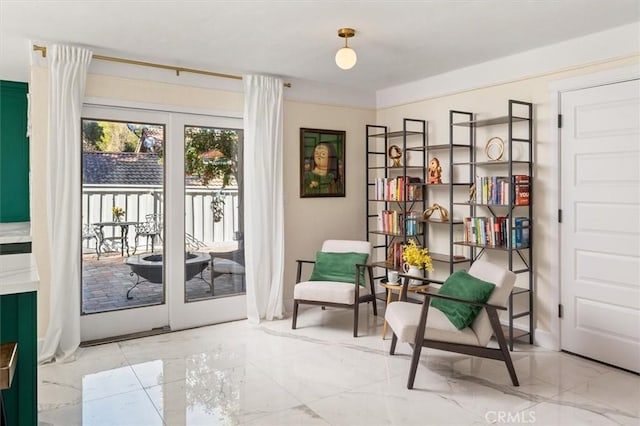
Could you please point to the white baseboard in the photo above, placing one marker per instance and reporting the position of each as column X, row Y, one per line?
column 546, row 339
column 541, row 338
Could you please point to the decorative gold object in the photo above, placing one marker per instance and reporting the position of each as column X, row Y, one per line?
column 494, row 149
column 395, row 153
column 444, row 214
column 435, row 171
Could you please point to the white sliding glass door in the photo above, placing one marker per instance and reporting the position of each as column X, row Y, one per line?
column 211, row 233
column 162, row 226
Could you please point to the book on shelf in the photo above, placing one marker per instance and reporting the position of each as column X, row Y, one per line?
column 494, row 231
column 521, row 190
column 521, row 227
column 495, row 190
column 401, row 188
column 492, row 190
column 395, row 222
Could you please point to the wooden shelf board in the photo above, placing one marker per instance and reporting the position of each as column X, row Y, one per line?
column 517, row 333
column 487, row 246
column 490, row 163
column 519, row 290
column 395, row 134
column 395, row 201
column 490, row 121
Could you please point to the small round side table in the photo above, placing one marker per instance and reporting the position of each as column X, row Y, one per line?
column 391, row 287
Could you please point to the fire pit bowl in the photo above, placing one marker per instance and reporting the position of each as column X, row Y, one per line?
column 149, row 267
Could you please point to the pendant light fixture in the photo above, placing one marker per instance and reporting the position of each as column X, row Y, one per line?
column 346, row 57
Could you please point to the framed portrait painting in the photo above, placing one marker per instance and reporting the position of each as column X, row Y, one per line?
column 322, row 163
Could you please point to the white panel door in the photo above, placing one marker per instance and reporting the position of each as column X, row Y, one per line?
column 600, row 233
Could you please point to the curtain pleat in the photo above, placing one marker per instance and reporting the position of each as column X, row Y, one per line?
column 67, row 78
column 263, row 189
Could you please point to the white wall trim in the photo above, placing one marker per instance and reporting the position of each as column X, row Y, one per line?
column 557, row 88
column 606, row 46
column 546, row 339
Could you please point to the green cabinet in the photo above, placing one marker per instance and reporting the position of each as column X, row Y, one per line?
column 18, row 324
column 14, row 152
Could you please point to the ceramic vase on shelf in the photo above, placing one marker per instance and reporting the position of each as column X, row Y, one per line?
column 413, row 271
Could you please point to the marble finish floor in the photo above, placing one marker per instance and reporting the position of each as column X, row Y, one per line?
column 240, row 374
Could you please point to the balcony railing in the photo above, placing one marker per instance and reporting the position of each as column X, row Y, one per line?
column 141, row 200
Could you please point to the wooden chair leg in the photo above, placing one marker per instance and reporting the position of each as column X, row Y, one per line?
column 355, row 319
column 502, row 342
column 417, row 344
column 394, row 341
column 373, row 293
column 415, row 358
column 295, row 315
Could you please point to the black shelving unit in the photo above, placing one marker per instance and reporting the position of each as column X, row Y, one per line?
column 519, row 129
column 413, row 141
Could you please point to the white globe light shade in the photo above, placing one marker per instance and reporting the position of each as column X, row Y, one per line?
column 346, row 58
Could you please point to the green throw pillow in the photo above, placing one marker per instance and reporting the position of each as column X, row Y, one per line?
column 338, row 267
column 466, row 287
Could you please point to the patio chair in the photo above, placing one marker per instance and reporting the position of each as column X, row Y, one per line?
column 150, row 229
column 338, row 279
column 228, row 262
column 88, row 234
column 191, row 243
column 433, row 328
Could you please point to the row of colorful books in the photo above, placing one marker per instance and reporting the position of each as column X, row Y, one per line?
column 494, row 231
column 495, row 190
column 393, row 222
column 391, row 189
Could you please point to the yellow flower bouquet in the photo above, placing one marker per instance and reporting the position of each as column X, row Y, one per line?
column 118, row 213
column 417, row 256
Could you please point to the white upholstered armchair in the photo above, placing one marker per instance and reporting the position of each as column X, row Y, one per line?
column 422, row 325
column 338, row 279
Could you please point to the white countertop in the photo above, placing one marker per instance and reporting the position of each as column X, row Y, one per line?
column 18, row 273
column 15, row 232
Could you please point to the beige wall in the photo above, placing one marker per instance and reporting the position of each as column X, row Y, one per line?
column 307, row 222
column 492, row 102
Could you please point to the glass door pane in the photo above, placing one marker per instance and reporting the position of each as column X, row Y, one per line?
column 214, row 249
column 122, row 211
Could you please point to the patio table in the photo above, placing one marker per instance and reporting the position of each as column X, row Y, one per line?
column 124, row 235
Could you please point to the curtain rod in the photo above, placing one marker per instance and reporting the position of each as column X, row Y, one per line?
column 178, row 70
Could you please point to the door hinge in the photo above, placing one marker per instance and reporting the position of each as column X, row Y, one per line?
column 559, row 215
column 560, row 313
column 559, row 121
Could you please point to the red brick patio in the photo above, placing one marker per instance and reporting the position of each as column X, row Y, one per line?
column 105, row 283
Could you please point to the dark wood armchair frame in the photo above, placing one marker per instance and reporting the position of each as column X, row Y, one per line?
column 356, row 302
column 501, row 354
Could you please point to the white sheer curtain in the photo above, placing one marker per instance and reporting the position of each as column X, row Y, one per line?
column 263, row 197
column 68, row 67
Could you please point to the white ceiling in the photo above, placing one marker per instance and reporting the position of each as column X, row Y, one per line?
column 396, row 41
